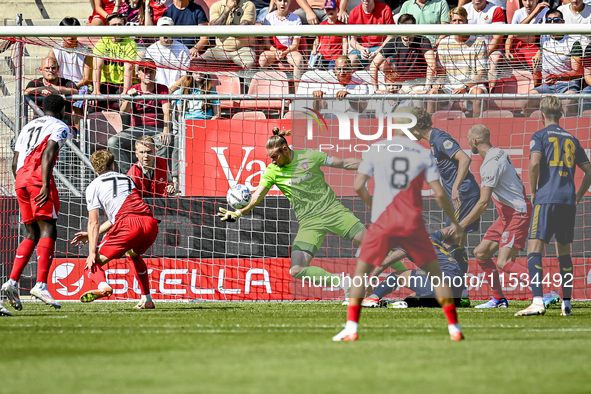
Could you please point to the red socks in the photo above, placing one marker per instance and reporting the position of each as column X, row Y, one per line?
column 45, row 250
column 141, row 272
column 513, row 268
column 96, row 274
column 23, row 255
column 451, row 314
column 353, row 312
column 492, row 275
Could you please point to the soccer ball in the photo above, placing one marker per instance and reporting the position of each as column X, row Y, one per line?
column 238, row 196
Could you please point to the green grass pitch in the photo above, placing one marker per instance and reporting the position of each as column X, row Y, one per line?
column 286, row 348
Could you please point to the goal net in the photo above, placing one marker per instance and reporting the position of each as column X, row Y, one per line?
column 221, row 107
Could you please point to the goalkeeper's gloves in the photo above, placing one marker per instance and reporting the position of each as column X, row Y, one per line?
column 229, row 216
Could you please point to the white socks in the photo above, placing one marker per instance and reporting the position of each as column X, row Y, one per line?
column 539, row 301
column 453, row 328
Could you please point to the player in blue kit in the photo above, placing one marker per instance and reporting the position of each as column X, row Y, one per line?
column 420, row 282
column 454, row 167
column 554, row 153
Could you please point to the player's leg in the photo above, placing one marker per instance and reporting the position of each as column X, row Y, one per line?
column 420, row 250
column 565, row 234
column 147, row 227
column 388, row 261
column 539, row 235
column 349, row 333
column 305, row 246
column 97, row 275
column 484, row 253
column 23, row 255
column 25, row 248
column 45, row 253
column 444, row 296
column 566, row 276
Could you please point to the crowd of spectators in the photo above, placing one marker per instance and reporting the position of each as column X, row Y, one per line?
column 420, row 65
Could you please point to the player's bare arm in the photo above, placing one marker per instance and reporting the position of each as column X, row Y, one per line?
column 257, row 197
column 479, row 208
column 93, row 237
column 352, row 163
column 445, row 203
column 586, row 181
column 81, row 237
column 14, row 164
column 534, row 172
column 463, row 169
column 47, row 162
column 361, row 188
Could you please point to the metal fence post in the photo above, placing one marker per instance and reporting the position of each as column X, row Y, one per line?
column 18, row 73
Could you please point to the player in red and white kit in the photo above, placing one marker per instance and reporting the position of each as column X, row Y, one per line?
column 35, row 154
column 131, row 228
column 400, row 166
column 509, row 232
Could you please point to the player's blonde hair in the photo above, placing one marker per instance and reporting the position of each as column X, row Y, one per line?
column 145, row 140
column 551, row 107
column 480, row 132
column 102, row 160
column 278, row 139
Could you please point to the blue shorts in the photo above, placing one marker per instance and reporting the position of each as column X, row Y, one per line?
column 464, row 210
column 421, row 284
column 364, row 62
column 553, row 219
column 559, row 87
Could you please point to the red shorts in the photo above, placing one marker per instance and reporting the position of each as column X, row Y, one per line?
column 510, row 231
column 376, row 244
column 30, row 211
column 96, row 15
column 133, row 232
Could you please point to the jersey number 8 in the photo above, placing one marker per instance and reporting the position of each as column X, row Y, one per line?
column 400, row 174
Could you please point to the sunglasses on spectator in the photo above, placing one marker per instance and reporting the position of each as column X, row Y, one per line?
column 54, row 68
column 554, row 20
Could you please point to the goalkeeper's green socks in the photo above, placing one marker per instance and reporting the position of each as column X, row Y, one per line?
column 319, row 277
column 398, row 266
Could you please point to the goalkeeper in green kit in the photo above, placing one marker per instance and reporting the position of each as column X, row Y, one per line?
column 298, row 175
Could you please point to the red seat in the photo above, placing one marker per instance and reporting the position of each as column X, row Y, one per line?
column 228, row 85
column 264, row 84
column 497, row 114
column 449, row 115
column 251, row 115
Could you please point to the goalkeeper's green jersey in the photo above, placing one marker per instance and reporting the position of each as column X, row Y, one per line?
column 302, row 182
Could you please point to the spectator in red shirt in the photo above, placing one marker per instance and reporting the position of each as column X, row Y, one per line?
column 369, row 12
column 148, row 117
column 150, row 173
column 330, row 47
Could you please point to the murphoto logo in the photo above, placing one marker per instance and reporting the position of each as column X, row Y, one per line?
column 351, row 138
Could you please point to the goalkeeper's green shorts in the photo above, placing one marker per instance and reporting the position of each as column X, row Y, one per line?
column 339, row 221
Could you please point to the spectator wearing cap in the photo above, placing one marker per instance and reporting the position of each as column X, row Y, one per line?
column 172, row 58
column 311, row 12
column 365, row 48
column 237, row 50
column 330, row 47
column 148, row 117
column 427, row 12
column 187, row 13
column 112, row 70
column 562, row 65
